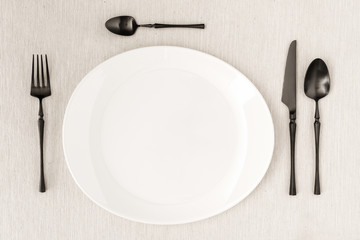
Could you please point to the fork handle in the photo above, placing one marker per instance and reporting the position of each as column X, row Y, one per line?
column 41, row 124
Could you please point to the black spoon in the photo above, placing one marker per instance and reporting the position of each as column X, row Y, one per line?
column 317, row 86
column 127, row 26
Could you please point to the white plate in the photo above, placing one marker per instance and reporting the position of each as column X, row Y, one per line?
column 167, row 135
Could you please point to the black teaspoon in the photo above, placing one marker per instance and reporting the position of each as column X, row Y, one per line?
column 127, row 26
column 317, row 86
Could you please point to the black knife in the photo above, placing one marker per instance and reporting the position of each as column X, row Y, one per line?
column 289, row 99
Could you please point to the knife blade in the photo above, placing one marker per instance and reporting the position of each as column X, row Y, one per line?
column 289, row 85
column 289, row 99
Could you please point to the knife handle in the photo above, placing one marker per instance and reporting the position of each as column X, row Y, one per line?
column 292, row 126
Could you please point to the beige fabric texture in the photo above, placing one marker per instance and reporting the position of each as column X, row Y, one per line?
column 251, row 35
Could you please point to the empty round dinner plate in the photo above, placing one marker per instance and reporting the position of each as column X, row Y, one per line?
column 167, row 135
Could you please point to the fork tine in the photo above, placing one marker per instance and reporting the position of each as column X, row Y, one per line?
column 42, row 72
column 47, row 72
column 37, row 71
column 32, row 73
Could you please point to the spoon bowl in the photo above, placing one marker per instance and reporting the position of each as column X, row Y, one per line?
column 317, row 80
column 122, row 25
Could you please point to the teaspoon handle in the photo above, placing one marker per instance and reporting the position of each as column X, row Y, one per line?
column 160, row 25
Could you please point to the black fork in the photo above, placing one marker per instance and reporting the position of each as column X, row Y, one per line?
column 41, row 91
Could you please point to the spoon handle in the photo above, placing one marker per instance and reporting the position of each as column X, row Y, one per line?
column 292, row 126
column 317, row 140
column 159, row 25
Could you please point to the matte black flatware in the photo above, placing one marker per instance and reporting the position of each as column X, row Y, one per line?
column 289, row 99
column 127, row 26
column 317, row 86
column 40, row 90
